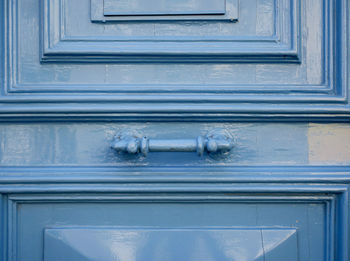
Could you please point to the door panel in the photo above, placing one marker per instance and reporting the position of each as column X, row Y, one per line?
column 161, row 10
column 163, row 7
column 223, row 227
column 170, row 244
column 278, row 59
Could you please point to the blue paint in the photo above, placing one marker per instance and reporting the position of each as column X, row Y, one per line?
column 174, row 74
column 170, row 244
column 158, row 42
column 317, row 212
column 164, row 10
column 163, row 7
column 275, row 63
column 294, row 209
column 3, row 227
column 88, row 144
column 215, row 142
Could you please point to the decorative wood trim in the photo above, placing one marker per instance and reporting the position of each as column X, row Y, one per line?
column 99, row 177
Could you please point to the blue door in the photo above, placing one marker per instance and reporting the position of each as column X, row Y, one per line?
column 166, row 130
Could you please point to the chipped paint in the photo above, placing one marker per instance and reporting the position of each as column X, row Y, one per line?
column 329, row 143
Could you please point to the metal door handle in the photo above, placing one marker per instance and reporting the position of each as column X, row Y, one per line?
column 214, row 142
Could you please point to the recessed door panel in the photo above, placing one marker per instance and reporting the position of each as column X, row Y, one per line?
column 172, row 227
column 227, row 58
column 105, row 11
column 163, row 7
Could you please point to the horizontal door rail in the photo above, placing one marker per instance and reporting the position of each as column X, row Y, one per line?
column 214, row 142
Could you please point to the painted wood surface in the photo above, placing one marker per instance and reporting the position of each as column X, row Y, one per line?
column 278, row 60
column 84, row 144
column 163, row 7
column 272, row 74
column 65, row 175
column 171, row 244
column 163, row 10
column 310, row 210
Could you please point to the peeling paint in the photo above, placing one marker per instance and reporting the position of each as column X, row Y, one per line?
column 329, row 143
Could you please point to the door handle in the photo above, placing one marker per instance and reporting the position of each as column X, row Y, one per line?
column 214, row 142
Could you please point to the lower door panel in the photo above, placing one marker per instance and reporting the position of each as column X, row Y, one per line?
column 225, row 226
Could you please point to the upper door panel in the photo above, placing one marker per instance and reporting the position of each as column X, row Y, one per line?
column 227, row 58
column 169, row 31
column 167, row 10
column 162, row 7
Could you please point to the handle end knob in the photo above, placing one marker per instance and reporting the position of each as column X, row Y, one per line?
column 132, row 147
column 212, row 146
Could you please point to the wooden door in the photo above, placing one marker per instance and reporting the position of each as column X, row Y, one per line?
column 186, row 130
